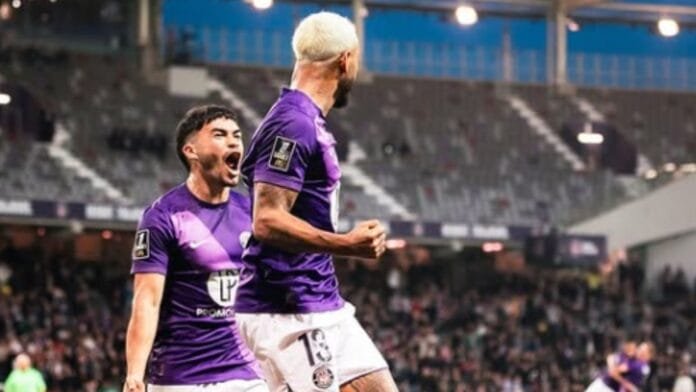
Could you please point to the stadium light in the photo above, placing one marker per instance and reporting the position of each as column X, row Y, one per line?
column 16, row 3
column 466, row 15
column 668, row 27
column 364, row 12
column 572, row 25
column 5, row 99
column 491, row 247
column 262, row 4
column 396, row 243
column 590, row 138
column 689, row 168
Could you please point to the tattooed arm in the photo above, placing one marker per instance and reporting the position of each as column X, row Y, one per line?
column 275, row 225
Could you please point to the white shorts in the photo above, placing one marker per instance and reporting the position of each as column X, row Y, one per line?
column 598, row 385
column 225, row 386
column 313, row 352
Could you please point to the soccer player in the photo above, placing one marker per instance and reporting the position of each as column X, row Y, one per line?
column 618, row 366
column 186, row 266
column 290, row 312
column 638, row 368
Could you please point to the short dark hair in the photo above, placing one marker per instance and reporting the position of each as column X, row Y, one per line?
column 194, row 120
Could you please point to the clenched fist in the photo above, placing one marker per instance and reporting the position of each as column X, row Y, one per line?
column 367, row 240
column 133, row 385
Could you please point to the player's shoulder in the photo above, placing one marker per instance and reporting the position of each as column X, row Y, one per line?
column 297, row 102
column 172, row 201
column 290, row 117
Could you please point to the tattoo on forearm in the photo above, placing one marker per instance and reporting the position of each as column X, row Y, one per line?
column 273, row 197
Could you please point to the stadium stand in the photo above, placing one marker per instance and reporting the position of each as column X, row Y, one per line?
column 554, row 107
column 662, row 124
column 665, row 116
column 449, row 150
column 123, row 126
column 114, row 116
column 27, row 169
column 477, row 162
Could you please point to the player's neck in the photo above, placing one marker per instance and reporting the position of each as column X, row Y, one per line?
column 206, row 192
column 317, row 87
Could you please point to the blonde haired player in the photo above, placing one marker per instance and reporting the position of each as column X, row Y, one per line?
column 290, row 312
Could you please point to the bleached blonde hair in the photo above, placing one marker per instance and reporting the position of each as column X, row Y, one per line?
column 323, row 35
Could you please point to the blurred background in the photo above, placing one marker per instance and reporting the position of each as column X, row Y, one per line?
column 532, row 159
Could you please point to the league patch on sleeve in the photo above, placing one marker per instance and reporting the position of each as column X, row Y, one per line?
column 141, row 247
column 281, row 154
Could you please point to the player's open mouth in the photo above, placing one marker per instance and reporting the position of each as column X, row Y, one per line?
column 232, row 161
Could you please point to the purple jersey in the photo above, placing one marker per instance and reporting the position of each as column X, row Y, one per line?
column 198, row 246
column 637, row 372
column 292, row 149
column 623, row 359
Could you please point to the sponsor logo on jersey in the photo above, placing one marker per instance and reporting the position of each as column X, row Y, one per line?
column 215, row 312
column 222, row 287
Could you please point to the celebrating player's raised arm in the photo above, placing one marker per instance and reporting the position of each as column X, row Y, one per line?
column 275, row 225
column 147, row 297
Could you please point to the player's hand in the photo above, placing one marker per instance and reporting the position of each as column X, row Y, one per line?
column 133, row 385
column 628, row 387
column 368, row 239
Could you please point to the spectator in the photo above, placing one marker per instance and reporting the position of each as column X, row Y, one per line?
column 24, row 378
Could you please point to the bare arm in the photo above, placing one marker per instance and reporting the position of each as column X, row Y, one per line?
column 148, row 289
column 275, row 225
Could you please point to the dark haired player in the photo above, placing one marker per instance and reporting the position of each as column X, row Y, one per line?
column 186, row 266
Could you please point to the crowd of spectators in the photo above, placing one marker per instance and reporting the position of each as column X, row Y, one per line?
column 534, row 331
column 69, row 318
column 440, row 329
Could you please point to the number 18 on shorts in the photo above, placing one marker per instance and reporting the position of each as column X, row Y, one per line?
column 319, row 357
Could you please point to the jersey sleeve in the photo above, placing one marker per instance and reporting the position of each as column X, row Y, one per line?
column 153, row 240
column 285, row 152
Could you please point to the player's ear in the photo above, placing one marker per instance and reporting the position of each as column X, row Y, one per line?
column 348, row 62
column 344, row 62
column 189, row 151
